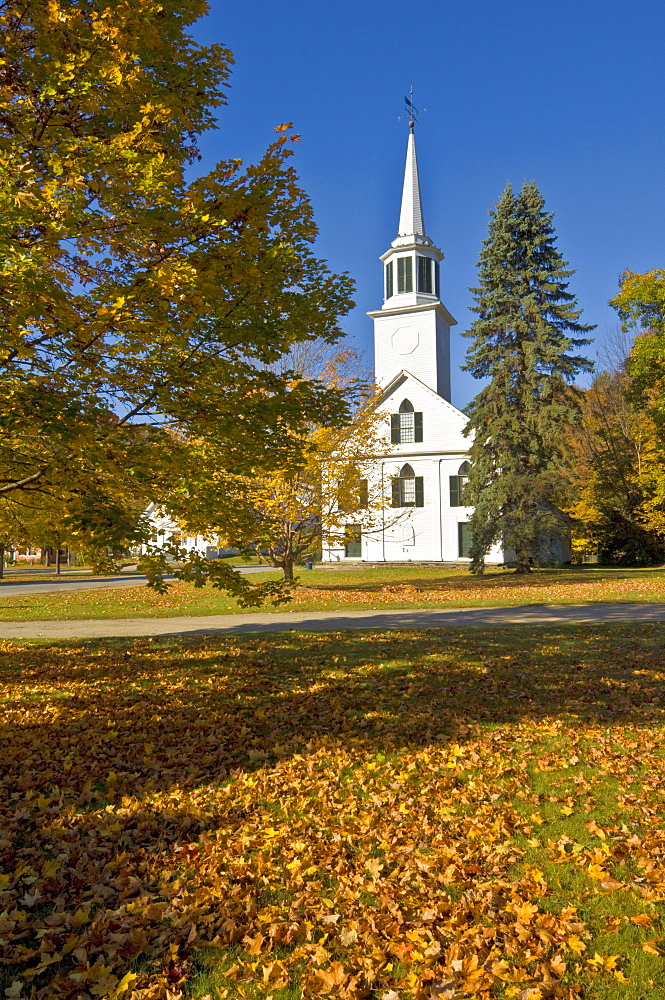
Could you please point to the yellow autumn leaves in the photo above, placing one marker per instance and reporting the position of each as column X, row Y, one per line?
column 333, row 815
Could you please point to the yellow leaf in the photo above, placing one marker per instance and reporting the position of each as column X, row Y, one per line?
column 575, row 944
column 124, row 984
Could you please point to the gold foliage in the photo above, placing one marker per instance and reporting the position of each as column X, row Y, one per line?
column 430, row 814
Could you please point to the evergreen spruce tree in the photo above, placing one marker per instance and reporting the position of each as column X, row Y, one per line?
column 524, row 341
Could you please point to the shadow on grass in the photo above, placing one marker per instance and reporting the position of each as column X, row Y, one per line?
column 150, row 725
column 221, row 703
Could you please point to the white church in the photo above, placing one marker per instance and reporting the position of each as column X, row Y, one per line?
column 425, row 463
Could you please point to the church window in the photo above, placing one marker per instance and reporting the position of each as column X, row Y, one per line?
column 457, row 484
column 406, row 427
column 424, row 274
column 464, row 540
column 408, row 489
column 404, row 274
column 389, row 279
column 407, row 423
column 352, row 541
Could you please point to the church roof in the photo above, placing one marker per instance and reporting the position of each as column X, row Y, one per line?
column 406, row 376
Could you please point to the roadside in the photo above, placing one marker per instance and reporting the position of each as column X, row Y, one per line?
column 334, row 622
column 23, row 588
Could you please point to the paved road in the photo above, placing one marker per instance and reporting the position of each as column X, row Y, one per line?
column 334, row 621
column 22, row 588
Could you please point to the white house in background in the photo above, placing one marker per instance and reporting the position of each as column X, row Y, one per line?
column 425, row 462
column 167, row 531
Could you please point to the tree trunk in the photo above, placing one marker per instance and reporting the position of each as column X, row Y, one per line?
column 57, row 558
column 288, row 568
column 522, row 560
column 2, row 561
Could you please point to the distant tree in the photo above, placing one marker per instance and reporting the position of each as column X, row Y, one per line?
column 523, row 339
column 612, row 475
column 641, row 306
column 312, row 359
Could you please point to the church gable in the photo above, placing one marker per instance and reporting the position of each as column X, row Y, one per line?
column 419, row 419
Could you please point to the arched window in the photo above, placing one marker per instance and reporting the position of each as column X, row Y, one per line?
column 406, row 426
column 408, row 489
column 457, row 484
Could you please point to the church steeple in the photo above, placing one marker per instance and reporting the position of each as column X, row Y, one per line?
column 412, row 263
column 411, row 215
column 412, row 328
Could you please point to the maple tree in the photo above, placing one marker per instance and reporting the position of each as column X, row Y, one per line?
column 524, row 342
column 289, row 514
column 641, row 305
column 132, row 295
column 612, row 466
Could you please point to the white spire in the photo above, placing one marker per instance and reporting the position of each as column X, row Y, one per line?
column 411, row 214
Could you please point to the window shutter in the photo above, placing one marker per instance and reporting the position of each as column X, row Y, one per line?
column 389, row 279
column 404, row 274
column 363, row 494
column 418, row 427
column 397, row 493
column 395, row 436
column 424, row 274
column 408, row 274
column 420, row 493
column 436, row 279
column 454, row 491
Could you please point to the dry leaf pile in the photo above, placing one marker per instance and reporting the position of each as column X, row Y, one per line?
column 396, row 815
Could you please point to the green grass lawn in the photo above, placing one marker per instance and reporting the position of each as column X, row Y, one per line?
column 416, row 814
column 331, row 590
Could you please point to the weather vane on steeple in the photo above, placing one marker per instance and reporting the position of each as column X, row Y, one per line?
column 412, row 111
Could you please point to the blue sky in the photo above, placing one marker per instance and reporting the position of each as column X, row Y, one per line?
column 568, row 94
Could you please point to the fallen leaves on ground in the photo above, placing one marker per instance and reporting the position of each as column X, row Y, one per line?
column 327, row 590
column 543, row 588
column 402, row 815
